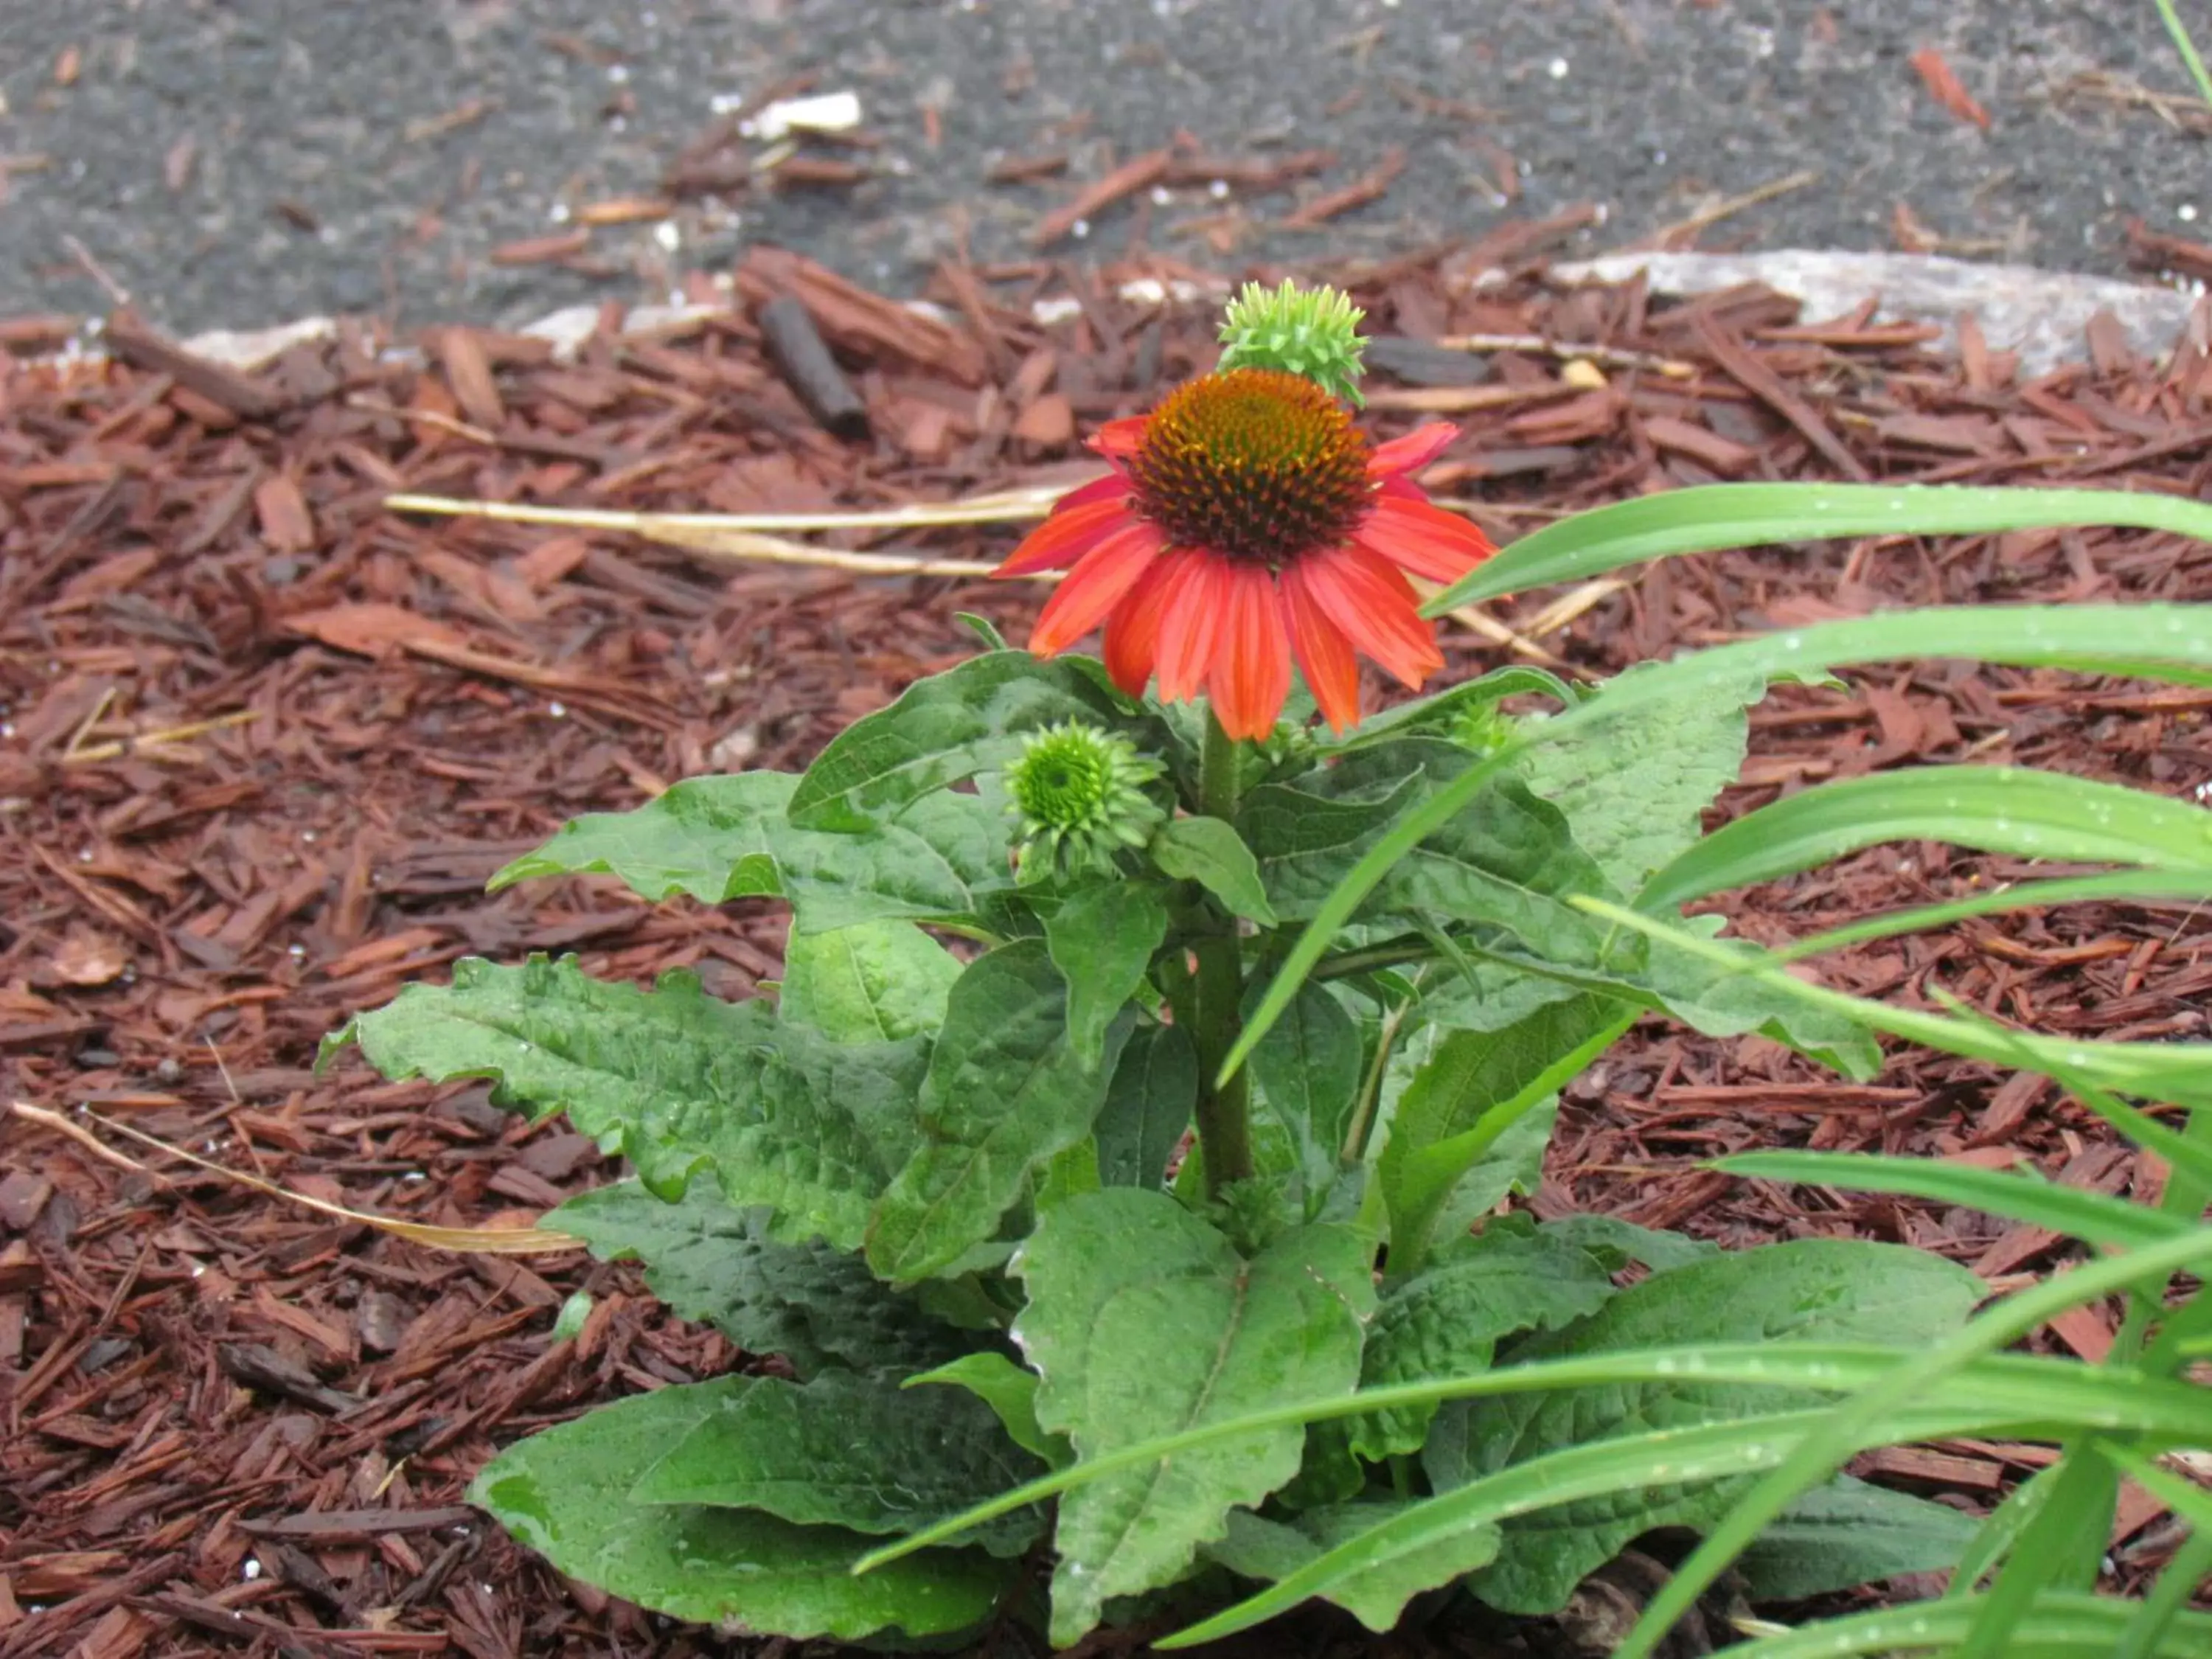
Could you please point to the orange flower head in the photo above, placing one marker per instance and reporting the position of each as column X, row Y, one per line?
column 1247, row 524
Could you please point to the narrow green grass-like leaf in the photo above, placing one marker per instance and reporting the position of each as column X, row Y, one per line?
column 1716, row 516
column 2092, row 1217
column 2177, row 1071
column 2177, row 888
column 2063, row 1627
column 1819, row 1456
column 2151, row 639
column 2013, row 1388
column 1991, row 809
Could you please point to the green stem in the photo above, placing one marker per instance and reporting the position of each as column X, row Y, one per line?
column 1224, row 1110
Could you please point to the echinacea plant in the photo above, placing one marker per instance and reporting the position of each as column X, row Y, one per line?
column 1135, row 1128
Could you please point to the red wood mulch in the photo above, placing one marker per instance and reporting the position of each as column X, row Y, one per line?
column 234, row 1424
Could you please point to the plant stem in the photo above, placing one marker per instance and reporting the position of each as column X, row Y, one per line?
column 1225, row 1114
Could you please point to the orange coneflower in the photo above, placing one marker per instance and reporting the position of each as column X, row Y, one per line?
column 1246, row 522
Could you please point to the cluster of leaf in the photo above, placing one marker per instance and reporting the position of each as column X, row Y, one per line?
column 937, row 1179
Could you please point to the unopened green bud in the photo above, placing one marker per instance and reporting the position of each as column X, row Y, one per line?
column 1079, row 794
column 1313, row 333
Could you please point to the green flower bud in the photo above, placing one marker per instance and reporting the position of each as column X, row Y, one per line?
column 1312, row 332
column 1079, row 794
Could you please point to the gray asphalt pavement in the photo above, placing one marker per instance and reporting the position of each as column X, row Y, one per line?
column 238, row 162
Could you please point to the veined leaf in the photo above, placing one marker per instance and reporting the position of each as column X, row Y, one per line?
column 648, row 1075
column 1259, row 1548
column 950, row 727
column 1808, row 1289
column 1995, row 809
column 1006, row 1091
column 708, row 1260
column 1308, row 1072
column 846, row 1450
column 1848, row 1533
column 1010, row 1392
column 566, row 1493
column 1212, row 854
column 876, row 981
column 1117, row 1282
column 1148, row 1106
column 1101, row 937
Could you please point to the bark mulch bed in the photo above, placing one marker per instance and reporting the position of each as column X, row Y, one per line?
column 264, row 741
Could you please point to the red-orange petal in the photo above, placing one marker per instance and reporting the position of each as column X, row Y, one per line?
column 1412, row 452
column 1324, row 654
column 1424, row 539
column 1114, row 487
column 1097, row 584
column 1132, row 632
column 1371, row 601
column 1190, row 622
column 1064, row 537
column 1251, row 673
column 1119, row 438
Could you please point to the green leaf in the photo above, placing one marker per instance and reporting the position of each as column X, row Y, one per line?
column 1101, row 937
column 945, row 857
column 711, row 837
column 566, row 1494
column 1449, row 713
column 1148, row 1106
column 718, row 838
column 1009, row 1391
column 2095, row 1218
column 708, row 1260
column 1635, row 790
column 1259, row 1548
column 2055, row 1625
column 1809, row 1289
column 1476, row 1085
column 1848, row 1533
column 1616, row 1243
column 1504, row 847
column 851, row 1451
column 2152, row 640
column 821, row 1133
column 648, row 1074
column 1996, row 809
column 1121, row 1285
column 950, row 727
column 1006, row 1090
column 1447, row 1320
column 1715, row 516
column 1308, row 1072
column 874, row 982
column 1212, row 854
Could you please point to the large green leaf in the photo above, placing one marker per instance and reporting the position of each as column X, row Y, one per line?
column 1148, row 1106
column 1716, row 516
column 566, row 1494
column 1142, row 1320
column 1212, row 854
column 950, row 727
column 1308, row 1072
column 649, row 1075
column 1635, row 789
column 851, row 1451
column 1995, row 809
column 1848, row 1533
column 1807, row 1290
column 1259, row 1548
column 1101, row 937
column 876, row 981
column 2169, row 640
column 711, row 837
column 1006, row 1091
column 1448, row 1319
column 1010, row 1392
column 708, row 1260
column 1473, row 1088
column 727, row 837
